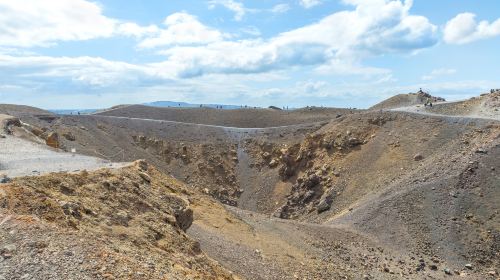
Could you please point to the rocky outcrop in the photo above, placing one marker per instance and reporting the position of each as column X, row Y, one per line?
column 209, row 168
column 138, row 227
column 52, row 140
column 69, row 136
column 183, row 217
column 6, row 123
column 315, row 190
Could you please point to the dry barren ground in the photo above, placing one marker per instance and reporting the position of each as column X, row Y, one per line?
column 308, row 194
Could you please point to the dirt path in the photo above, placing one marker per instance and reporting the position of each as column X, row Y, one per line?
column 419, row 109
column 20, row 157
column 227, row 128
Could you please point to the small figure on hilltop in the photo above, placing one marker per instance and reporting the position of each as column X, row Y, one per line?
column 428, row 98
column 428, row 102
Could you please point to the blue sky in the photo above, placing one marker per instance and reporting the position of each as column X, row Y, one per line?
column 340, row 53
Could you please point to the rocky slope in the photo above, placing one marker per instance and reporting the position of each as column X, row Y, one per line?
column 242, row 118
column 368, row 195
column 109, row 224
column 404, row 100
column 486, row 105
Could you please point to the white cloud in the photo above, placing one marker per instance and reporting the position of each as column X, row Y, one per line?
column 346, row 67
column 438, row 73
column 88, row 71
column 251, row 30
column 309, row 3
column 336, row 44
column 464, row 29
column 236, row 7
column 135, row 30
column 68, row 82
column 182, row 29
column 27, row 23
column 311, row 87
column 30, row 23
column 280, row 8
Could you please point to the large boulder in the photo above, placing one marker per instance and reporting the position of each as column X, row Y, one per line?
column 52, row 140
column 325, row 203
column 184, row 217
column 69, row 136
column 312, row 181
column 7, row 121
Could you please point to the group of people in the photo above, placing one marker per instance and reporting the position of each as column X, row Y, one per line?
column 428, row 100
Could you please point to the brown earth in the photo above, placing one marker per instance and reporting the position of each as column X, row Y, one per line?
column 243, row 118
column 404, row 100
column 486, row 105
column 109, row 224
column 365, row 195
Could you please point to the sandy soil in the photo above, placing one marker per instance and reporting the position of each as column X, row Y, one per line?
column 243, row 118
column 19, row 157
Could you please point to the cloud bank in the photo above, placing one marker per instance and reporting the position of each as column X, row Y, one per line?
column 464, row 29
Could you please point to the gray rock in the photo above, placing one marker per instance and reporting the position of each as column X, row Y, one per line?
column 69, row 136
column 71, row 209
column 326, row 201
column 324, row 205
column 418, row 157
column 145, row 177
column 184, row 217
column 468, row 266
column 4, row 179
column 312, row 181
column 308, row 195
column 447, row 271
column 143, row 165
column 353, row 141
column 122, row 218
column 266, row 155
column 9, row 248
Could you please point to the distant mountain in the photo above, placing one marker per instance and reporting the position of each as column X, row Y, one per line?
column 189, row 105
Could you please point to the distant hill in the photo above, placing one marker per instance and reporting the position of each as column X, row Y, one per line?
column 189, row 105
column 153, row 104
column 403, row 100
column 21, row 110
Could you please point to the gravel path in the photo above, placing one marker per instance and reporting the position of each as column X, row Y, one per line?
column 419, row 109
column 227, row 128
column 20, row 157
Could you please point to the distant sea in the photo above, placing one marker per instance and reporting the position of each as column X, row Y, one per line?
column 73, row 111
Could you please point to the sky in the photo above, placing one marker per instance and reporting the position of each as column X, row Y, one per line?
column 70, row 54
